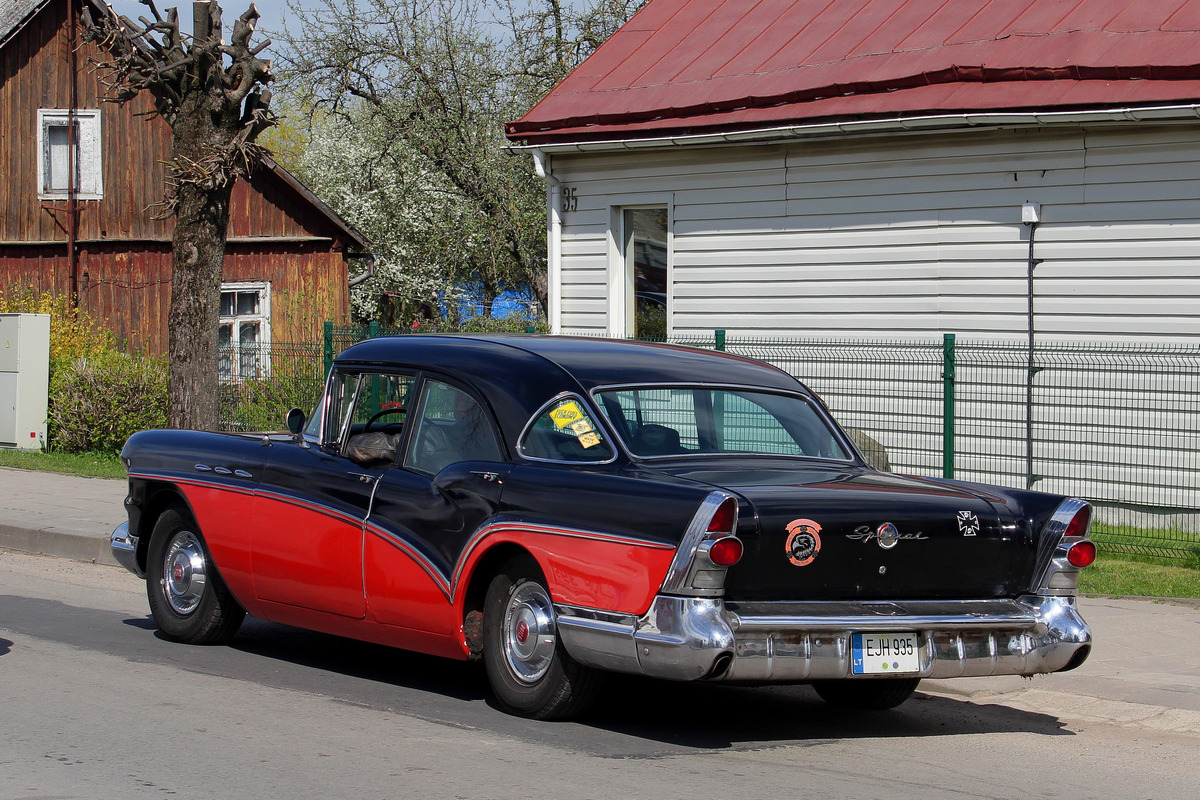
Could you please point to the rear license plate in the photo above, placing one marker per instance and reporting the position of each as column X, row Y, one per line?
column 884, row 653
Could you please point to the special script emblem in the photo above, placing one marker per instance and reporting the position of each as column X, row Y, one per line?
column 968, row 523
column 803, row 541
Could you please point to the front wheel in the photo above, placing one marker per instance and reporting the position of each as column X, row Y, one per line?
column 531, row 673
column 867, row 695
column 188, row 600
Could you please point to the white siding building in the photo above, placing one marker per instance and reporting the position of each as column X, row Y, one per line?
column 902, row 218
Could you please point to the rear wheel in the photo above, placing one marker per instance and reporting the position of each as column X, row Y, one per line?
column 188, row 600
column 867, row 694
column 531, row 673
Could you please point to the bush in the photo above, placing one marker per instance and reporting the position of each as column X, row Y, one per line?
column 98, row 402
column 513, row 323
column 73, row 333
column 262, row 404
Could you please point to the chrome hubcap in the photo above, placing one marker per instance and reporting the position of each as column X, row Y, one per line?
column 184, row 573
column 529, row 632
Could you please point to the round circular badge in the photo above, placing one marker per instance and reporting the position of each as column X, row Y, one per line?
column 888, row 535
column 803, row 541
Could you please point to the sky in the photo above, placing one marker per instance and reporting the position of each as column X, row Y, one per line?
column 272, row 13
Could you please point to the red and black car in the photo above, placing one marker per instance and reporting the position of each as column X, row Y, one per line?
column 562, row 507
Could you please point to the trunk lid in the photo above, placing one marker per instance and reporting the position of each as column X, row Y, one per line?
column 819, row 533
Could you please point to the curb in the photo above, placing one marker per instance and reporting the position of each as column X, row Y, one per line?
column 57, row 544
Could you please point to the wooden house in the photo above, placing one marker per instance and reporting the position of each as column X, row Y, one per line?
column 288, row 255
column 880, row 168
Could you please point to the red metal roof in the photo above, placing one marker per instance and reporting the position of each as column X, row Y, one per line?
column 692, row 66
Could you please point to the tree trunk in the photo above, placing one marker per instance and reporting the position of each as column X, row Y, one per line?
column 198, row 245
column 199, row 250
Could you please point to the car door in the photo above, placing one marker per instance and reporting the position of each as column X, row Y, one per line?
column 308, row 547
column 448, row 484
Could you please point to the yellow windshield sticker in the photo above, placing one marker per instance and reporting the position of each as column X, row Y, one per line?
column 581, row 427
column 566, row 414
column 589, row 440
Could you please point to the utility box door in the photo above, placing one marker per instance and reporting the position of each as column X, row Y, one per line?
column 24, row 380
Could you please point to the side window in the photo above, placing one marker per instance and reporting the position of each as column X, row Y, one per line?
column 564, row 431
column 370, row 411
column 244, row 332
column 62, row 146
column 451, row 426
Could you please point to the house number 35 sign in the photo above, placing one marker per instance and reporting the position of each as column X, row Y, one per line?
column 569, row 199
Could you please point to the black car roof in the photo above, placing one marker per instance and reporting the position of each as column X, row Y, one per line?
column 590, row 362
column 517, row 374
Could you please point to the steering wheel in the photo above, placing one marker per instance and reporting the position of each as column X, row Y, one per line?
column 379, row 414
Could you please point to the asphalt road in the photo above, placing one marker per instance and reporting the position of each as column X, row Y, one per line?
column 94, row 705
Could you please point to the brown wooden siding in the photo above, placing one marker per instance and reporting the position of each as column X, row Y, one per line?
column 128, row 288
column 124, row 251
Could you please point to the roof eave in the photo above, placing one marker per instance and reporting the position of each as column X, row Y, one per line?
column 921, row 123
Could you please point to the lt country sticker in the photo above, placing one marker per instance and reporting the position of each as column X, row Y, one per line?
column 803, row 541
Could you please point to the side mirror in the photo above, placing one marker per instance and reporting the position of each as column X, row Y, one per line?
column 295, row 421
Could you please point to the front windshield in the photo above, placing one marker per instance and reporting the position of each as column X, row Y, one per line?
column 684, row 420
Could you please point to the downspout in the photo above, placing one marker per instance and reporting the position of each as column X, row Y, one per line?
column 72, row 199
column 1030, row 216
column 541, row 164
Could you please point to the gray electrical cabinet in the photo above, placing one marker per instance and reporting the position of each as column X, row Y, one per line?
column 24, row 380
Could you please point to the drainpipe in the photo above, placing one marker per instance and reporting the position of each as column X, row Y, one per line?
column 541, row 164
column 72, row 189
column 1031, row 214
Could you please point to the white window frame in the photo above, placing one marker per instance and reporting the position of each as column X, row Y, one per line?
column 89, row 168
column 621, row 299
column 263, row 317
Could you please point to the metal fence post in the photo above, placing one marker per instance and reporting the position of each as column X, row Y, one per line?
column 374, row 329
column 328, row 346
column 719, row 339
column 948, row 366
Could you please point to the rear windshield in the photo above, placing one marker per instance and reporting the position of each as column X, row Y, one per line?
column 671, row 421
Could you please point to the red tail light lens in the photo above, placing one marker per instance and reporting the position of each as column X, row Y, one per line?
column 1080, row 523
column 725, row 518
column 726, row 552
column 1082, row 554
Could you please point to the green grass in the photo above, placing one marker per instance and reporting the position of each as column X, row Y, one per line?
column 1141, row 576
column 85, row 465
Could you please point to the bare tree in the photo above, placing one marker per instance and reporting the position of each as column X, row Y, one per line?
column 214, row 96
column 430, row 83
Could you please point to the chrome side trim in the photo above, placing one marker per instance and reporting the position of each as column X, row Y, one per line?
column 533, row 527
column 681, row 564
column 124, row 549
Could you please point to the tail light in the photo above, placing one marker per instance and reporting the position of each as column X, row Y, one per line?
column 709, row 547
column 726, row 552
column 1068, row 531
column 1080, row 524
column 1082, row 553
column 725, row 518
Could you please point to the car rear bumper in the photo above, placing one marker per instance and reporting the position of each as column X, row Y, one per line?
column 688, row 638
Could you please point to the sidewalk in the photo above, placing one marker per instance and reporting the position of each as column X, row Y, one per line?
column 1144, row 670
column 60, row 515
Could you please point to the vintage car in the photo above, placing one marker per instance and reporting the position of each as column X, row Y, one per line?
column 564, row 507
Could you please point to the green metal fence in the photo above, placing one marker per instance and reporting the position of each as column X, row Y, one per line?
column 1117, row 424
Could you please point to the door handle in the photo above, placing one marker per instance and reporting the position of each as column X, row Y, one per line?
column 364, row 477
column 490, row 477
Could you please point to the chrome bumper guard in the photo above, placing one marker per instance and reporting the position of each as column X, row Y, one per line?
column 689, row 638
column 124, row 549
